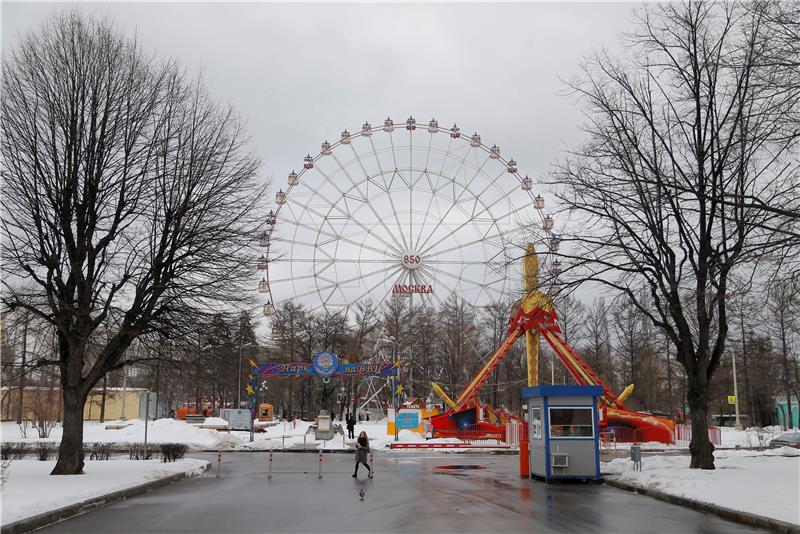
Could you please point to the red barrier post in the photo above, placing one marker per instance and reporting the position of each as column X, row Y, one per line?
column 219, row 462
column 270, row 466
column 524, row 460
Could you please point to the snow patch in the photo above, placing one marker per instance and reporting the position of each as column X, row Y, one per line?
column 30, row 489
column 764, row 483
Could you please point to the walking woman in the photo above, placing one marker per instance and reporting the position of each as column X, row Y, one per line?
column 362, row 450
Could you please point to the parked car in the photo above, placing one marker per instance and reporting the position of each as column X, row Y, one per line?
column 790, row 439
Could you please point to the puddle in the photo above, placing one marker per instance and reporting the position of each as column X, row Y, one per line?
column 460, row 467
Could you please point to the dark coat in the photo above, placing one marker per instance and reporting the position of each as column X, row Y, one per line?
column 351, row 423
column 361, row 451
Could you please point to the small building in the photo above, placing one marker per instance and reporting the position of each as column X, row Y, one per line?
column 784, row 418
column 45, row 403
column 410, row 417
column 121, row 403
column 563, row 433
column 34, row 403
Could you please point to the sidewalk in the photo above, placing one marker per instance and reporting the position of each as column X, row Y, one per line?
column 32, row 498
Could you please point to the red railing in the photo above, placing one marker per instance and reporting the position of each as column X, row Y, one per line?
column 509, row 434
column 515, row 432
column 472, row 436
column 683, row 434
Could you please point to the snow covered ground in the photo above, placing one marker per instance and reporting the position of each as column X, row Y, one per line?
column 279, row 436
column 765, row 483
column 293, row 435
column 30, row 490
column 750, row 438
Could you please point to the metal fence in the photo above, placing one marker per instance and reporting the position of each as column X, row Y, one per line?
column 683, row 435
column 510, row 434
column 515, row 432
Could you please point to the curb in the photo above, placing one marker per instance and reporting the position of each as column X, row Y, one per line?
column 745, row 518
column 54, row 516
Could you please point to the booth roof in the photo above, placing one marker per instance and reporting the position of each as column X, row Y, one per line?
column 562, row 391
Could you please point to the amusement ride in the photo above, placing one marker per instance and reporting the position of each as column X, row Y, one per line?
column 424, row 213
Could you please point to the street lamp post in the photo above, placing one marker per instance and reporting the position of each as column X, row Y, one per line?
column 239, row 384
column 737, row 423
column 395, row 382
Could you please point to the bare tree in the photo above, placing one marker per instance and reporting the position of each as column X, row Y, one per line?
column 125, row 189
column 597, row 345
column 783, row 306
column 687, row 175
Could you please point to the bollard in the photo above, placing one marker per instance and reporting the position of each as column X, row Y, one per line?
column 283, row 441
column 524, row 460
column 270, row 466
column 320, row 465
column 371, row 465
column 219, row 462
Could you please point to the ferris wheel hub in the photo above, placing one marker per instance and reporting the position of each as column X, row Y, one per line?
column 411, row 260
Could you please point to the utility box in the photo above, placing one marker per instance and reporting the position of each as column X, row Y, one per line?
column 562, row 432
column 238, row 419
column 324, row 429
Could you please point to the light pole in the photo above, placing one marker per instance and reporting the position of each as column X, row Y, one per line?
column 737, row 423
column 239, row 383
column 395, row 381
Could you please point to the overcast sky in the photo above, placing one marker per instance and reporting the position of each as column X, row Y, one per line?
column 301, row 73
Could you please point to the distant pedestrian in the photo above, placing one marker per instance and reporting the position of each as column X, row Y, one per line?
column 351, row 426
column 172, row 414
column 362, row 450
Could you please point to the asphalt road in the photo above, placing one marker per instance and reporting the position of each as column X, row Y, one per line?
column 408, row 494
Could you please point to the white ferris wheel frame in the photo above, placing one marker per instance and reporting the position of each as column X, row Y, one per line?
column 417, row 275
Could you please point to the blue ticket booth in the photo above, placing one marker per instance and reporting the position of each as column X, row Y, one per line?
column 562, row 431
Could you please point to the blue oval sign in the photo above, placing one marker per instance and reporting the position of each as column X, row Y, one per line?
column 325, row 363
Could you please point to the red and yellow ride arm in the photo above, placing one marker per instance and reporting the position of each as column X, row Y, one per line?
column 470, row 392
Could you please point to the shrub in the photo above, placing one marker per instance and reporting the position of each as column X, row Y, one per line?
column 172, row 451
column 136, row 452
column 43, row 450
column 23, row 428
column 5, row 470
column 13, row 451
column 759, row 438
column 100, row 451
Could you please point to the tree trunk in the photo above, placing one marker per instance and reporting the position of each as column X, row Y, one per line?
column 701, row 448
column 103, row 400
column 70, row 452
column 21, row 405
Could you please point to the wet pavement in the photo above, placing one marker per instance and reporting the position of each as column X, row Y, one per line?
column 411, row 492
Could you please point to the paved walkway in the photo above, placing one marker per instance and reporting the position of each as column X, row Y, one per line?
column 408, row 494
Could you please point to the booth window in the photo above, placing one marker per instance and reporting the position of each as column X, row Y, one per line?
column 536, row 423
column 571, row 423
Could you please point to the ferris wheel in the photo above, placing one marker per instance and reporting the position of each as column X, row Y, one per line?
column 399, row 211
